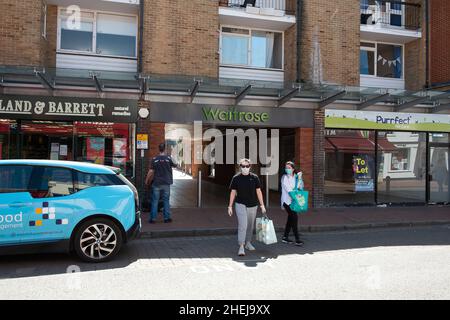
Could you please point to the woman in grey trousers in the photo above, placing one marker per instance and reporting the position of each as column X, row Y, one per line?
column 246, row 191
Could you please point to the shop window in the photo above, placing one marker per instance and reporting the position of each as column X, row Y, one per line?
column 439, row 167
column 8, row 139
column 401, row 167
column 47, row 140
column 252, row 48
column 349, row 167
column 106, row 143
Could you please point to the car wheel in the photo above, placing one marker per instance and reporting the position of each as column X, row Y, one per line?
column 97, row 240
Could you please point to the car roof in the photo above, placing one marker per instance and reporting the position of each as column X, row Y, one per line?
column 80, row 166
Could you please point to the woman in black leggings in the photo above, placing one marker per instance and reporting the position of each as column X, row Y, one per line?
column 288, row 185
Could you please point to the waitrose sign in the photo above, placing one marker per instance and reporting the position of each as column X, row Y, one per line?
column 213, row 114
column 350, row 119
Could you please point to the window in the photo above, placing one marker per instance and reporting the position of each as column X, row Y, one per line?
column 389, row 61
column 49, row 182
column 116, row 35
column 381, row 60
column 235, row 46
column 87, row 180
column 367, row 62
column 14, row 178
column 98, row 33
column 77, row 35
column 252, row 48
column 400, row 159
column 44, row 20
column 349, row 167
column 110, row 144
column 401, row 167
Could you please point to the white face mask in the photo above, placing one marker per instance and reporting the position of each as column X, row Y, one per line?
column 245, row 171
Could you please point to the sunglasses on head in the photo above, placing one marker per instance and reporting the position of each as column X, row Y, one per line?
column 245, row 166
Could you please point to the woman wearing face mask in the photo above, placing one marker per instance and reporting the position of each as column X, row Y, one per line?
column 288, row 185
column 246, row 190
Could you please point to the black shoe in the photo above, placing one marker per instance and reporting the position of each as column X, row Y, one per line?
column 287, row 240
column 168, row 220
column 151, row 221
column 299, row 243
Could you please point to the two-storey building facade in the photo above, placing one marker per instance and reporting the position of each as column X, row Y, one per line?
column 107, row 81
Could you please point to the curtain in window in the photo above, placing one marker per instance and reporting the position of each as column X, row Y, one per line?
column 398, row 65
column 270, row 39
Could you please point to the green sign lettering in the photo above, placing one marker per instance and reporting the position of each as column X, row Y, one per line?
column 234, row 115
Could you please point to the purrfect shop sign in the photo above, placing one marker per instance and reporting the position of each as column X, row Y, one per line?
column 350, row 119
column 67, row 109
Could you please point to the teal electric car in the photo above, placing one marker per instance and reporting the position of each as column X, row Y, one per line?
column 84, row 208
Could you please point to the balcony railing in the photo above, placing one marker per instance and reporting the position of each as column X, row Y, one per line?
column 286, row 6
column 394, row 14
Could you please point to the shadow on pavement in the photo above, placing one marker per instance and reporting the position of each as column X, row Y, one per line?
column 170, row 252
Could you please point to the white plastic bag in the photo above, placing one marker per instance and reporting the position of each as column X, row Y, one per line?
column 265, row 231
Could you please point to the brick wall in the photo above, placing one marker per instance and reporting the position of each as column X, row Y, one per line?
column 290, row 55
column 319, row 159
column 181, row 37
column 439, row 41
column 415, row 56
column 304, row 157
column 20, row 33
column 330, row 41
column 415, row 75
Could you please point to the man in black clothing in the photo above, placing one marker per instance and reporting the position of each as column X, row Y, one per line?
column 160, row 174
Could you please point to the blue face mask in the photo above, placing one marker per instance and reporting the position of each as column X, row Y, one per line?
column 288, row 171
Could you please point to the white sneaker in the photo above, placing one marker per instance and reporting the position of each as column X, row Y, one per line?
column 241, row 252
column 249, row 246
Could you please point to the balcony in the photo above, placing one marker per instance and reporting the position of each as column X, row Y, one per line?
column 390, row 21
column 276, row 15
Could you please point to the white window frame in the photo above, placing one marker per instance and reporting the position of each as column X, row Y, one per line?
column 249, row 53
column 375, row 49
column 400, row 12
column 44, row 9
column 94, row 35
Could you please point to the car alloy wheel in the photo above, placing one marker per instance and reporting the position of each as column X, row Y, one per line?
column 98, row 241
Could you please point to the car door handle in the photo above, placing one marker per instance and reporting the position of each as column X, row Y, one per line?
column 20, row 204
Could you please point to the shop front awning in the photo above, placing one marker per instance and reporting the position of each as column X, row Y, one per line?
column 147, row 85
column 352, row 144
column 385, row 145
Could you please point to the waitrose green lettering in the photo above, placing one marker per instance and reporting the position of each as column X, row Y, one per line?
column 234, row 115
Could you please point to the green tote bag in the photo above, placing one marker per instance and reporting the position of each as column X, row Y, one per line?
column 299, row 202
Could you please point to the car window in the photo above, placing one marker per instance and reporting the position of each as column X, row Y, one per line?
column 14, row 178
column 48, row 182
column 87, row 180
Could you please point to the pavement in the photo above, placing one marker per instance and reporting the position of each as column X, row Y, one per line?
column 215, row 221
column 392, row 263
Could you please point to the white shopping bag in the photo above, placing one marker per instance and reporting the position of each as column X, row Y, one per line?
column 265, row 231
